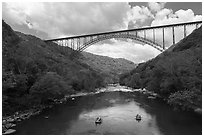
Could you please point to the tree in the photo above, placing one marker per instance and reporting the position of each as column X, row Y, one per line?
column 50, row 86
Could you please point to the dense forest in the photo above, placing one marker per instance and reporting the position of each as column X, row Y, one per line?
column 175, row 74
column 34, row 72
column 110, row 68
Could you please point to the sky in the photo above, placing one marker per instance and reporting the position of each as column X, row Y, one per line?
column 55, row 20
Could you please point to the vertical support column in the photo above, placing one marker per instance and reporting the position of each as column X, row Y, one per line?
column 145, row 34
column 78, row 43
column 154, row 35
column 196, row 26
column 85, row 41
column 72, row 44
column 136, row 33
column 163, row 38
column 184, row 27
column 173, row 35
column 64, row 42
column 60, row 42
column 67, row 44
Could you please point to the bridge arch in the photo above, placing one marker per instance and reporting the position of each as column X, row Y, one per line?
column 123, row 36
column 81, row 42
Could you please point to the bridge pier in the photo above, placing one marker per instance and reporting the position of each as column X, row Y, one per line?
column 145, row 34
column 184, row 30
column 154, row 35
column 72, row 44
column 163, row 38
column 196, row 26
column 78, row 43
column 173, row 35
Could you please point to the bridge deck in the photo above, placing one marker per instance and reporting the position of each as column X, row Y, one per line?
column 138, row 29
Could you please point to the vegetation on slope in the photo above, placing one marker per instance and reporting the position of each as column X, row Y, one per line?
column 35, row 72
column 110, row 68
column 175, row 74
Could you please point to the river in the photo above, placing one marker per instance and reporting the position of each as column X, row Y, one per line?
column 117, row 110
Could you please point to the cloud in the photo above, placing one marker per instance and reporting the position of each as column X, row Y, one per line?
column 166, row 16
column 163, row 13
column 156, row 6
column 139, row 16
column 122, row 49
column 60, row 19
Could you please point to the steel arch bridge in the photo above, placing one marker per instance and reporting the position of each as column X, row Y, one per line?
column 153, row 36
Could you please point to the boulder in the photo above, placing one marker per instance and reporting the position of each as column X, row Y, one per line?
column 8, row 125
column 9, row 131
column 13, row 125
column 198, row 110
column 4, row 121
column 154, row 94
column 151, row 97
column 10, row 120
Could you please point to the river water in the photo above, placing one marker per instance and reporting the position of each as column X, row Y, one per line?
column 117, row 110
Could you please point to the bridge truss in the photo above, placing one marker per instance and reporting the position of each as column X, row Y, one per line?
column 157, row 36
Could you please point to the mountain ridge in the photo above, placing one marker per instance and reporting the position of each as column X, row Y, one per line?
column 110, row 67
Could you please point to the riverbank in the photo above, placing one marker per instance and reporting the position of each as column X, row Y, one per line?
column 117, row 110
column 8, row 122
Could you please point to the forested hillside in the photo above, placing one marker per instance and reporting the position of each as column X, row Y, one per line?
column 110, row 68
column 176, row 74
column 34, row 72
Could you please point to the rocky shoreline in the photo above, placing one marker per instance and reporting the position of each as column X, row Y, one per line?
column 9, row 122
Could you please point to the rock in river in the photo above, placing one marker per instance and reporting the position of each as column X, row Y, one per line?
column 151, row 97
column 9, row 131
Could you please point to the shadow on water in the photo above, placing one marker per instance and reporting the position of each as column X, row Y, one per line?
column 117, row 110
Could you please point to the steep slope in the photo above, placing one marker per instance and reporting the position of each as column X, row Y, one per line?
column 110, row 68
column 35, row 72
column 176, row 74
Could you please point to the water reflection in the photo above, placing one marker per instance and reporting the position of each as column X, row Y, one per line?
column 118, row 111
